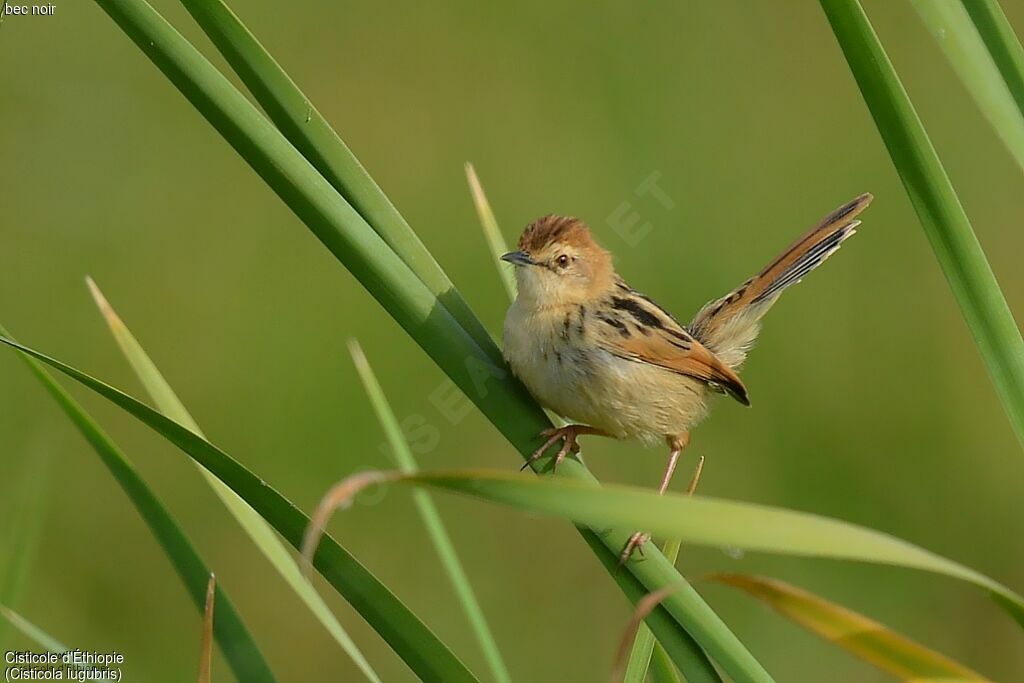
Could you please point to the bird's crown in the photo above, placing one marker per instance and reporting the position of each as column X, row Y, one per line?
column 550, row 229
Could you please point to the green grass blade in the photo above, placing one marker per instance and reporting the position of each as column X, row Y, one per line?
column 495, row 240
column 643, row 647
column 307, row 129
column 31, row 631
column 703, row 521
column 234, row 639
column 428, row 657
column 431, row 517
column 678, row 643
column 472, row 366
column 258, row 530
column 865, row 638
column 23, row 524
column 661, row 669
column 938, row 208
column 639, row 660
column 1002, row 44
column 952, row 28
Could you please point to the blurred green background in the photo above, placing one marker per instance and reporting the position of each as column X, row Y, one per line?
column 870, row 400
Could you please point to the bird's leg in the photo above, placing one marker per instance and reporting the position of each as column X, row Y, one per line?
column 637, row 540
column 568, row 435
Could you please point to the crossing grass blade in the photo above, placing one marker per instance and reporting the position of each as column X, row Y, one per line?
column 431, row 517
column 938, row 208
column 259, row 531
column 863, row 637
column 692, row 519
column 495, row 240
column 1002, row 44
column 303, row 125
column 469, row 362
column 234, row 639
column 428, row 657
column 951, row 26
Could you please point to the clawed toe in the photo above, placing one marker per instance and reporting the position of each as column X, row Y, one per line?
column 551, row 435
column 635, row 543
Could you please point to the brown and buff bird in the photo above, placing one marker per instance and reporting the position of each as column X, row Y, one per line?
column 593, row 349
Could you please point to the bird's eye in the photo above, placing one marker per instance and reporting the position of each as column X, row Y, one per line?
column 562, row 261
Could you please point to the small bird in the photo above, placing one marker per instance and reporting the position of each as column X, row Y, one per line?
column 594, row 350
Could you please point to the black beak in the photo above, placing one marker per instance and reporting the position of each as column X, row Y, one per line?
column 519, row 258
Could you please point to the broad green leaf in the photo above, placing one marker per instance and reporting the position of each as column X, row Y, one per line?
column 234, row 639
column 469, row 362
column 428, row 657
column 701, row 521
column 951, row 26
column 853, row 632
column 306, row 128
column 495, row 240
column 258, row 530
column 399, row 449
column 938, row 208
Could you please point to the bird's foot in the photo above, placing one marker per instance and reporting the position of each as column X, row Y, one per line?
column 568, row 435
column 635, row 543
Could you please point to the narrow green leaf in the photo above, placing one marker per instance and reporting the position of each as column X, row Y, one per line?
column 472, row 366
column 427, row 656
column 258, row 530
column 643, row 646
column 495, row 240
column 431, row 517
column 937, row 205
column 234, row 639
column 661, row 669
column 952, row 28
column 703, row 521
column 867, row 639
column 639, row 660
column 678, row 643
column 304, row 126
column 1002, row 44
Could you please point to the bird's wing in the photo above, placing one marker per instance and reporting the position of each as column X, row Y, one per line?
column 635, row 328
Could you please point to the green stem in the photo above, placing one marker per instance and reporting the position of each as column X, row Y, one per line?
column 938, row 208
column 1002, row 43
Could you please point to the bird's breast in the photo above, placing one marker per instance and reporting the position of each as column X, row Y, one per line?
column 549, row 351
column 555, row 353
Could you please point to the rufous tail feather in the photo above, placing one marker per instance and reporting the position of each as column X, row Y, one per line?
column 729, row 326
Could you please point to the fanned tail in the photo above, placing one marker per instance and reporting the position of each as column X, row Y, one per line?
column 729, row 326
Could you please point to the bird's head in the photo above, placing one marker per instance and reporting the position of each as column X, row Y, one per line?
column 558, row 263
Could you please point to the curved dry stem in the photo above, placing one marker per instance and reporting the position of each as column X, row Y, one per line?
column 339, row 496
column 644, row 607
